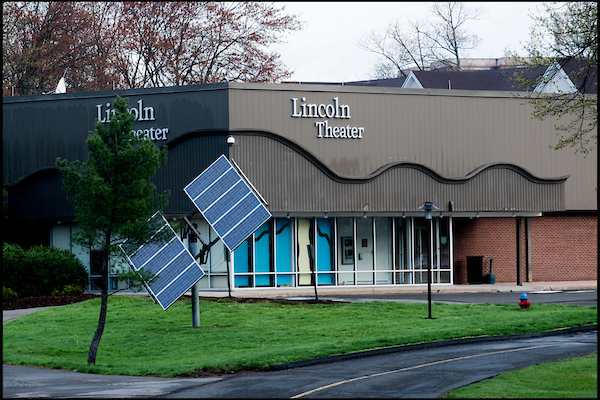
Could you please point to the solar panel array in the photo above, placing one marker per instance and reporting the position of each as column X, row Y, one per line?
column 227, row 202
column 169, row 261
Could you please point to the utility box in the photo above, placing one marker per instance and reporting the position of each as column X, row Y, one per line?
column 475, row 269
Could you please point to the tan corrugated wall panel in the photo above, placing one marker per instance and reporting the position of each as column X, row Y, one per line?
column 291, row 182
column 451, row 132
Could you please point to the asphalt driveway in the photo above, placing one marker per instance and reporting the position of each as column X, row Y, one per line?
column 417, row 371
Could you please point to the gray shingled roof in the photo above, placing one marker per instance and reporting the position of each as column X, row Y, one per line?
column 587, row 80
column 496, row 79
column 392, row 82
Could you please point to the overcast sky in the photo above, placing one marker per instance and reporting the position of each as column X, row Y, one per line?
column 326, row 49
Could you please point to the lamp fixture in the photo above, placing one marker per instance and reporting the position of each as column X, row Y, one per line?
column 428, row 207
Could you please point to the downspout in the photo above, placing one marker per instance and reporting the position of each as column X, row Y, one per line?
column 528, row 266
column 519, row 251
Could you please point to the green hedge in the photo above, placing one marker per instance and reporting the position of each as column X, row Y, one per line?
column 40, row 271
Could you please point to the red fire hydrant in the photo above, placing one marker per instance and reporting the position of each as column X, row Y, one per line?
column 524, row 304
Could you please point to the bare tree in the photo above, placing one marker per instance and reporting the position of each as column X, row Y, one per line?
column 401, row 49
column 449, row 35
column 419, row 44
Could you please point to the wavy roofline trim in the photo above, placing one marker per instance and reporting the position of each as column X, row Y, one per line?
column 325, row 169
column 379, row 171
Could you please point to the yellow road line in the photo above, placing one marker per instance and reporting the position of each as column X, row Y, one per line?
column 415, row 367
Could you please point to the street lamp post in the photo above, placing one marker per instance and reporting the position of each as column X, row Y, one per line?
column 428, row 207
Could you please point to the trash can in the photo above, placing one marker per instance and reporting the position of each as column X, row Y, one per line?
column 491, row 277
column 475, row 270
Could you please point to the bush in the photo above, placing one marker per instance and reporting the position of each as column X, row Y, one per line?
column 12, row 259
column 8, row 294
column 40, row 271
column 68, row 290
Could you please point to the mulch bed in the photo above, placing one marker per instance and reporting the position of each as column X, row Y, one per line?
column 45, row 301
column 307, row 300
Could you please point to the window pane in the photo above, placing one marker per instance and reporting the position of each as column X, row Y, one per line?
column 283, row 245
column 421, row 276
column 304, row 239
column 242, row 259
column 383, row 245
column 265, row 280
column 286, row 280
column 262, row 249
column 243, row 281
column 383, row 278
column 364, row 251
column 404, row 277
column 445, row 277
column 95, row 262
column 324, row 246
column 325, row 279
column 345, row 264
column 444, row 243
column 403, row 249
column 421, row 256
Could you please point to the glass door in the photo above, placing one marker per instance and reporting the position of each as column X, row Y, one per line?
column 304, row 239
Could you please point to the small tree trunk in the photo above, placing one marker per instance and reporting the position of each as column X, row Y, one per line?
column 102, row 319
column 99, row 330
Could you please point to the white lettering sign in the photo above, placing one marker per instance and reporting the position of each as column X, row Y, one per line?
column 334, row 110
column 140, row 113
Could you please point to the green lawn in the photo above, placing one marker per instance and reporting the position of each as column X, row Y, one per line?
column 567, row 379
column 142, row 339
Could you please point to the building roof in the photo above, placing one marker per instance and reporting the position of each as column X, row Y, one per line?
column 583, row 75
column 391, row 82
column 495, row 79
column 473, row 80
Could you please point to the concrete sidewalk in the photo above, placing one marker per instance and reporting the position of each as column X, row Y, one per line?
column 309, row 291
column 442, row 288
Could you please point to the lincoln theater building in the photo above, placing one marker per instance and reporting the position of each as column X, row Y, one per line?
column 342, row 168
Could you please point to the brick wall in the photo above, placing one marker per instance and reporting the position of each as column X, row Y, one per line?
column 563, row 247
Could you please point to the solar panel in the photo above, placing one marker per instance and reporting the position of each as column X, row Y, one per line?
column 169, row 261
column 227, row 202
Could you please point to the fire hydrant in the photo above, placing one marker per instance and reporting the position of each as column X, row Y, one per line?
column 524, row 304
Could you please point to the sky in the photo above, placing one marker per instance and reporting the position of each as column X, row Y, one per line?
column 326, row 49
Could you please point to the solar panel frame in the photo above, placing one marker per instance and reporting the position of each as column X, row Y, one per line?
column 174, row 267
column 228, row 202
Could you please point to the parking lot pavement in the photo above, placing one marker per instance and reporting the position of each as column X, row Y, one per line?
column 583, row 297
column 10, row 314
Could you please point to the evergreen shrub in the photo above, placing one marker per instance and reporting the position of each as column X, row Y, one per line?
column 41, row 271
column 67, row 290
column 8, row 294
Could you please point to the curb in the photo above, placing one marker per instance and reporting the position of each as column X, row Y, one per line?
column 429, row 345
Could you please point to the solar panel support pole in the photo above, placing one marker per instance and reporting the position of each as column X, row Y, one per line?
column 195, row 288
column 195, row 306
column 203, row 254
column 228, row 257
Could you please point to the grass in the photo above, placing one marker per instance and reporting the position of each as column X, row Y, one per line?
column 572, row 378
column 142, row 339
